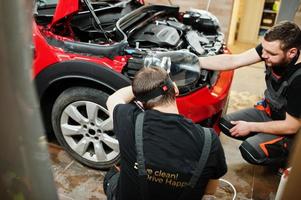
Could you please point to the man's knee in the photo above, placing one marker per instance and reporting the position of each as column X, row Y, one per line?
column 263, row 149
column 252, row 153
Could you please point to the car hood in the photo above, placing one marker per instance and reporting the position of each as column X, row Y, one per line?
column 67, row 8
column 63, row 9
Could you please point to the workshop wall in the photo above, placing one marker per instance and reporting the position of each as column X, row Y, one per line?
column 297, row 18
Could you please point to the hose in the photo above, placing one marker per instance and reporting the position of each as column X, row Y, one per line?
column 231, row 185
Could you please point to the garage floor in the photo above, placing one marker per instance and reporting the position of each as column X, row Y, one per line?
column 75, row 181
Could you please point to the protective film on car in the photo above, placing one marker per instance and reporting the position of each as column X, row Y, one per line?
column 182, row 66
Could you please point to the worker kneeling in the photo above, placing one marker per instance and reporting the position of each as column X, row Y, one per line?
column 163, row 154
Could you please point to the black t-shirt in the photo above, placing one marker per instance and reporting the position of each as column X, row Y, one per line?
column 172, row 148
column 293, row 94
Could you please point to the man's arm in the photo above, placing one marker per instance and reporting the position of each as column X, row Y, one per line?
column 290, row 125
column 121, row 96
column 230, row 61
column 211, row 187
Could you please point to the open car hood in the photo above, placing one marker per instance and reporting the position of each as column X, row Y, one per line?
column 63, row 9
column 67, row 8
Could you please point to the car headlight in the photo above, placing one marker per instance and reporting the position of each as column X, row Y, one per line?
column 182, row 66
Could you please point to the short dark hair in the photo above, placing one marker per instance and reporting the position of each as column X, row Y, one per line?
column 288, row 33
column 149, row 78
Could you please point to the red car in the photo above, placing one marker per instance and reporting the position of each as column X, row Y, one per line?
column 84, row 51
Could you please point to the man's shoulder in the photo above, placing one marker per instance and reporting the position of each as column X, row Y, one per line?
column 295, row 78
column 297, row 73
column 125, row 108
column 215, row 141
column 210, row 131
column 125, row 113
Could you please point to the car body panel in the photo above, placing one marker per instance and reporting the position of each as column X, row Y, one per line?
column 206, row 102
column 55, row 55
column 63, row 9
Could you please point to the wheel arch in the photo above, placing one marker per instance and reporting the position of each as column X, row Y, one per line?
column 56, row 78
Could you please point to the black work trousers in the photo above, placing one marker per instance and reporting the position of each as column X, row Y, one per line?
column 261, row 148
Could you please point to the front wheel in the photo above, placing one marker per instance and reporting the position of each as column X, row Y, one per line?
column 82, row 126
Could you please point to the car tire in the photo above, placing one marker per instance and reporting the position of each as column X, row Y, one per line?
column 82, row 126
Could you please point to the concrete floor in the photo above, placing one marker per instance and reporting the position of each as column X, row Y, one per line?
column 75, row 181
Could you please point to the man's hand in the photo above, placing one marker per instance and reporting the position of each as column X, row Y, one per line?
column 289, row 126
column 241, row 128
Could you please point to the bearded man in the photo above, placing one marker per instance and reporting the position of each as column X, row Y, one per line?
column 268, row 129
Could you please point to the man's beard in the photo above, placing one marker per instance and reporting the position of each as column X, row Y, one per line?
column 281, row 67
column 284, row 65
